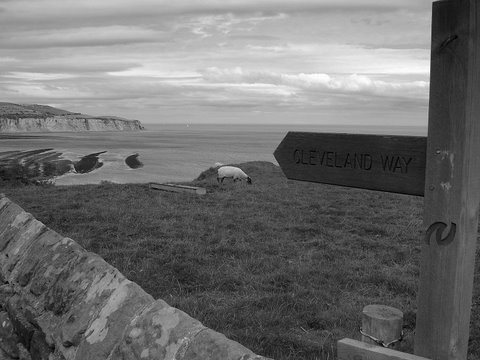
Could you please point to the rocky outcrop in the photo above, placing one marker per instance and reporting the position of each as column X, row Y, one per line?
column 38, row 118
column 58, row 301
column 45, row 165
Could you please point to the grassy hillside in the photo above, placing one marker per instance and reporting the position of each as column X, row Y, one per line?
column 20, row 111
column 283, row 267
column 16, row 111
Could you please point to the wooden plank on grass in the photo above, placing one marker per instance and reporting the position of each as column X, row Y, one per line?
column 178, row 188
column 376, row 162
column 349, row 349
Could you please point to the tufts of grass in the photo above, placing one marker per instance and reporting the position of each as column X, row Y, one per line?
column 283, row 267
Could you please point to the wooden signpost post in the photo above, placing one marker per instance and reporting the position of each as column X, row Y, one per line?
column 452, row 192
column 445, row 169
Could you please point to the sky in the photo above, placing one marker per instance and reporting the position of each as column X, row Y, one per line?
column 221, row 61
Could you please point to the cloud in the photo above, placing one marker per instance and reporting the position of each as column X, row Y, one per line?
column 100, row 8
column 299, row 56
column 38, row 76
column 206, row 26
column 70, row 66
column 256, row 37
column 221, row 88
column 72, row 13
column 326, row 83
column 7, row 59
column 346, row 58
column 88, row 36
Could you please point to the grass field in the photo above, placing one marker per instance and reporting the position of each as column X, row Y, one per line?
column 283, row 267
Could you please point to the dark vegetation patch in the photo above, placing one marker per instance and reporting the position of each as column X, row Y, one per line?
column 283, row 267
column 42, row 166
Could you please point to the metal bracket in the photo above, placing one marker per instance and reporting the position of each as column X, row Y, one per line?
column 380, row 342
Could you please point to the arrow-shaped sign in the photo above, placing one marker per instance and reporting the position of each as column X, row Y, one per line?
column 376, row 162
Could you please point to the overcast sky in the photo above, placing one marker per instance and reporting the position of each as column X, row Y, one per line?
column 228, row 61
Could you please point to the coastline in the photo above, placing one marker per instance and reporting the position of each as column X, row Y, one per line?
column 167, row 152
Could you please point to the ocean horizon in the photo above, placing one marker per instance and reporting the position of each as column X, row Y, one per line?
column 175, row 152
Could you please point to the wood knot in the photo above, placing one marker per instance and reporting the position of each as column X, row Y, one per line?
column 448, row 41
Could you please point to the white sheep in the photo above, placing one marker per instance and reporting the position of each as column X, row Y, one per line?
column 232, row 172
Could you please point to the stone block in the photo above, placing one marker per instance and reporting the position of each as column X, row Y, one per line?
column 8, row 212
column 89, row 305
column 56, row 356
column 212, row 345
column 8, row 338
column 14, row 221
column 39, row 349
column 28, row 230
column 5, row 356
column 159, row 332
column 23, row 328
column 108, row 326
column 39, row 259
column 16, row 241
column 6, row 292
column 23, row 353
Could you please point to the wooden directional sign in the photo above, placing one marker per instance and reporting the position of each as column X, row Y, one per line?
column 376, row 162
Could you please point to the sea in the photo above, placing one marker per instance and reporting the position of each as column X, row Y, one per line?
column 175, row 152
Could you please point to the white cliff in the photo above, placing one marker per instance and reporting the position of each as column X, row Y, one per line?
column 68, row 123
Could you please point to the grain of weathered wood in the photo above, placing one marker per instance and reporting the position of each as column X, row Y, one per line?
column 452, row 188
column 349, row 349
column 178, row 188
column 376, row 162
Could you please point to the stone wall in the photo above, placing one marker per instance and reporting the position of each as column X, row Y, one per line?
column 58, row 301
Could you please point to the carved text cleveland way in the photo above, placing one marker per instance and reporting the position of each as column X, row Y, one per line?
column 392, row 163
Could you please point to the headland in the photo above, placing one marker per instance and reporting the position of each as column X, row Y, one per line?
column 42, row 118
